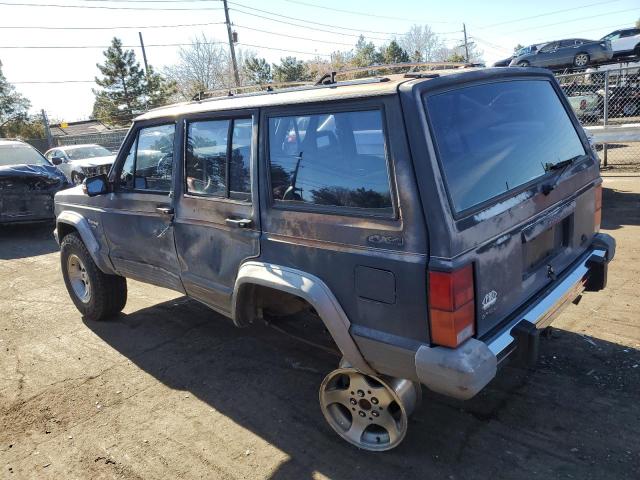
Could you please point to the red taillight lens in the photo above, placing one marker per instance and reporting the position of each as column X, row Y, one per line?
column 597, row 214
column 451, row 306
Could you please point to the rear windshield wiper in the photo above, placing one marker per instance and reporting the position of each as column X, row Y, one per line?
column 562, row 166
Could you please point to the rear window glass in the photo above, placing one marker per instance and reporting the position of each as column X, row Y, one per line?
column 333, row 159
column 496, row 137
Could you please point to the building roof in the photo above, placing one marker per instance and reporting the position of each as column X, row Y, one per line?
column 83, row 127
column 366, row 87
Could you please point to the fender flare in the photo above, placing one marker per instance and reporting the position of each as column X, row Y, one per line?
column 81, row 225
column 313, row 290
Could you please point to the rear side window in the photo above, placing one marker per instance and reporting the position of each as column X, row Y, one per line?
column 332, row 159
column 218, row 158
column 496, row 137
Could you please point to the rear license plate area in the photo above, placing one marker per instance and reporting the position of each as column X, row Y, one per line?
column 539, row 250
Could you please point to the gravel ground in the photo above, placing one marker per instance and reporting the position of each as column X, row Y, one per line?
column 171, row 390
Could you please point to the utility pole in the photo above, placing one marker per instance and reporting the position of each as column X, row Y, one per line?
column 466, row 45
column 232, row 49
column 144, row 54
column 47, row 131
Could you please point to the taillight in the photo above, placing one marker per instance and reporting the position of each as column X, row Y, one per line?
column 597, row 214
column 451, row 306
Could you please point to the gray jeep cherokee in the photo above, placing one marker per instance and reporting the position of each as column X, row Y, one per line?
column 434, row 223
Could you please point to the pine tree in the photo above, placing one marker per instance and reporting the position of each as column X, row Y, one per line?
column 394, row 53
column 126, row 90
column 257, row 71
column 12, row 104
column 290, row 70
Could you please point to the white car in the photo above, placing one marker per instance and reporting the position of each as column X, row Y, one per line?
column 625, row 42
column 78, row 162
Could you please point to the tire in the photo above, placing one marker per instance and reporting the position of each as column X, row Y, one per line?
column 97, row 295
column 636, row 51
column 524, row 63
column 76, row 178
column 581, row 60
column 630, row 109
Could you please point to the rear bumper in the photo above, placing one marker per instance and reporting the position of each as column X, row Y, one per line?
column 464, row 371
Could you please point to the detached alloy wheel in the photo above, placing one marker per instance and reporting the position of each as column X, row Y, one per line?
column 581, row 60
column 369, row 412
column 97, row 295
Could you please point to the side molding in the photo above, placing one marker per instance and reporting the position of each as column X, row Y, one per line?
column 81, row 224
column 314, row 291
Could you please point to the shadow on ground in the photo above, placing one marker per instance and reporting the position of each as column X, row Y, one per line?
column 26, row 240
column 544, row 424
column 620, row 208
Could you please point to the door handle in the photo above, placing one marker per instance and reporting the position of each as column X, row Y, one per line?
column 165, row 210
column 238, row 222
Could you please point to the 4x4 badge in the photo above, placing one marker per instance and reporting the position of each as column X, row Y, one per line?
column 489, row 299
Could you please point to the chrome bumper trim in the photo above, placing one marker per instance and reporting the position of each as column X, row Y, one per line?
column 542, row 313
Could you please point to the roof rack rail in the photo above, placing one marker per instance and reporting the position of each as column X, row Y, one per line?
column 411, row 65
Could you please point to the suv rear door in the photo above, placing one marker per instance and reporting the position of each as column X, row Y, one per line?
column 216, row 224
column 506, row 208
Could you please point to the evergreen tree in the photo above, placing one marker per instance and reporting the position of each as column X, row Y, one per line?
column 13, row 105
column 257, row 71
column 290, row 70
column 394, row 53
column 366, row 53
column 126, row 90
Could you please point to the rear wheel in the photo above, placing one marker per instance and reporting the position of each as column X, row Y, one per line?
column 524, row 63
column 630, row 109
column 95, row 294
column 369, row 412
column 581, row 60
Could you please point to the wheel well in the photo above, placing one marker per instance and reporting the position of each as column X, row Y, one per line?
column 64, row 229
column 255, row 301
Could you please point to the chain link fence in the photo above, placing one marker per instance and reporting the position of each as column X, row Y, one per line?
column 607, row 102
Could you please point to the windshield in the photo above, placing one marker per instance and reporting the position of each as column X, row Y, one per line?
column 495, row 137
column 20, row 154
column 87, row 152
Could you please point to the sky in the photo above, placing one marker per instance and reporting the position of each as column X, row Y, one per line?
column 496, row 27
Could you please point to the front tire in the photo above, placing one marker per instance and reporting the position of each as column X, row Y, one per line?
column 97, row 295
column 76, row 178
column 581, row 60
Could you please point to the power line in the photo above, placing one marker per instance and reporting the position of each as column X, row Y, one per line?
column 286, row 50
column 292, row 36
column 572, row 20
column 307, row 26
column 529, row 17
column 314, row 23
column 306, row 4
column 26, row 27
column 108, row 7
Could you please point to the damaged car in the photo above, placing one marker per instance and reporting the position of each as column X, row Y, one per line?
column 78, row 162
column 430, row 225
column 28, row 183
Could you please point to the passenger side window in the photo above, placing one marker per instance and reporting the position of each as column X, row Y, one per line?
column 149, row 164
column 332, row 159
column 218, row 158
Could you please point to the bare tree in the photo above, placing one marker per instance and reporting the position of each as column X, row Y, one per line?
column 422, row 44
column 204, row 65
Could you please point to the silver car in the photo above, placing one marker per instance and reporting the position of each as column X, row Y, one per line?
column 78, row 162
column 573, row 52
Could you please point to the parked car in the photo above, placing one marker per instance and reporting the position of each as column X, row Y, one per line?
column 432, row 223
column 521, row 51
column 624, row 42
column 573, row 52
column 586, row 101
column 28, row 183
column 78, row 162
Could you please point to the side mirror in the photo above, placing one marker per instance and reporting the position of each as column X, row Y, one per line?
column 96, row 185
column 57, row 160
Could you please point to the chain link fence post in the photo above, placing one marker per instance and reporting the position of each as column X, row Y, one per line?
column 605, row 115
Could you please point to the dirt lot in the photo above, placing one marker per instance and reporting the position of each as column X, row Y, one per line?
column 170, row 390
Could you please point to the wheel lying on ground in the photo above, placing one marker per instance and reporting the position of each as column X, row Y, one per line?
column 95, row 294
column 369, row 412
column 581, row 60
